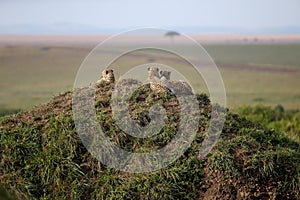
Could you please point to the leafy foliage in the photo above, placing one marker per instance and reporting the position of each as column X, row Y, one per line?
column 276, row 118
column 5, row 111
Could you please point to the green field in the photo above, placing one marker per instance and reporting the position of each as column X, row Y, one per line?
column 253, row 74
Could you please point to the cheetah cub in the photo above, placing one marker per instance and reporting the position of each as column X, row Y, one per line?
column 165, row 75
column 154, row 80
column 107, row 76
column 177, row 87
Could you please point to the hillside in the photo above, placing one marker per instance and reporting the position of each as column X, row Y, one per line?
column 42, row 156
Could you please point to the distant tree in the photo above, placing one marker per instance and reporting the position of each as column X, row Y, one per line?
column 172, row 34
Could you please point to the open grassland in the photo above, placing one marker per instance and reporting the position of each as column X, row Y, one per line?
column 256, row 157
column 252, row 74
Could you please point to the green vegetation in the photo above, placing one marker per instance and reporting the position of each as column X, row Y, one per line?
column 31, row 75
column 275, row 55
column 5, row 111
column 43, row 158
column 277, row 118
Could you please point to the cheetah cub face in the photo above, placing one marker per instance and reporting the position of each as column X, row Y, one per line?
column 153, row 73
column 166, row 75
column 107, row 76
column 154, row 80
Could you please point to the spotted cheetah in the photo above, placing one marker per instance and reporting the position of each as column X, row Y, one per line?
column 182, row 87
column 177, row 87
column 153, row 74
column 107, row 76
column 154, row 80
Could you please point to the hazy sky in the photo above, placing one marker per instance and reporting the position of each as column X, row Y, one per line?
column 125, row 14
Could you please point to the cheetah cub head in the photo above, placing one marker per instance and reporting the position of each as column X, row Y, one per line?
column 153, row 73
column 107, row 76
column 164, row 74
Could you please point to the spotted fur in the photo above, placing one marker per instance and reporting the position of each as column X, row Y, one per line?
column 107, row 76
column 182, row 87
column 154, row 80
column 177, row 87
column 153, row 74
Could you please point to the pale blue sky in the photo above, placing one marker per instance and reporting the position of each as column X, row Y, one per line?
column 126, row 14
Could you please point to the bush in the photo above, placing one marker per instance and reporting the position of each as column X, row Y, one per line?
column 276, row 118
column 6, row 111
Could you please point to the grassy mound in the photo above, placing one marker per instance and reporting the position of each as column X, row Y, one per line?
column 42, row 156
